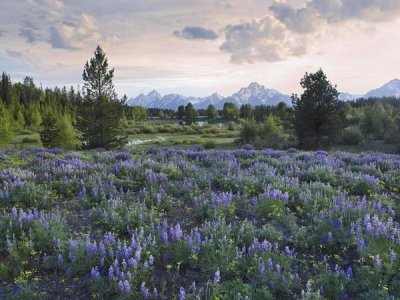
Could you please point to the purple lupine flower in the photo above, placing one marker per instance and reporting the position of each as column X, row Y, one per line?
column 124, row 287
column 349, row 273
column 288, row 252
column 182, row 294
column 111, row 275
column 60, row 259
column 56, row 242
column 270, row 265
column 95, row 273
column 155, row 293
column 14, row 213
column 261, row 269
column 330, row 237
column 91, row 248
column 393, row 255
column 178, row 231
column 144, row 290
column 278, row 268
column 217, row 276
column 193, row 287
column 132, row 263
column 69, row 272
column 265, row 246
column 164, row 236
column 378, row 261
column 138, row 254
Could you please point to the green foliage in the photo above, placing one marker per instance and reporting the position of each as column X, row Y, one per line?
column 58, row 132
column 50, row 132
column 209, row 144
column 318, row 116
column 230, row 112
column 181, row 112
column 190, row 111
column 268, row 135
column 100, row 111
column 352, row 136
column 139, row 113
column 246, row 112
column 211, row 112
column 248, row 133
column 6, row 130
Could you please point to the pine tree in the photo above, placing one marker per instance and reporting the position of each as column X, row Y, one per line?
column 318, row 113
column 190, row 111
column 50, row 134
column 230, row 112
column 6, row 129
column 211, row 112
column 100, row 111
column 181, row 112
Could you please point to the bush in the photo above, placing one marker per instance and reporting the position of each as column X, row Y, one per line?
column 231, row 126
column 352, row 136
column 248, row 133
column 148, row 129
column 29, row 139
column 209, row 145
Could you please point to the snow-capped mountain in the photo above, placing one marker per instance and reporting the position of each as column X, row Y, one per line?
column 213, row 99
column 254, row 94
column 348, row 97
column 390, row 89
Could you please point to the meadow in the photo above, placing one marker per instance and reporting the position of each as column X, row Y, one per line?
column 192, row 223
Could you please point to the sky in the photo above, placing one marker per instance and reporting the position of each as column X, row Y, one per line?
column 198, row 47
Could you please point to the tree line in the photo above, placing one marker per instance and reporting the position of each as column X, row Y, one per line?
column 94, row 116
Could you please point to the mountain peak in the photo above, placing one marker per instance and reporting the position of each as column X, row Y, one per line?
column 390, row 89
column 255, row 85
column 154, row 93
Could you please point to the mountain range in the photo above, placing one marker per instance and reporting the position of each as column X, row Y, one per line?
column 254, row 94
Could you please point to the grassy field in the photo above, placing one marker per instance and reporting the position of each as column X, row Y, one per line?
column 166, row 133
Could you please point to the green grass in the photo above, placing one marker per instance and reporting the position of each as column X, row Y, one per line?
column 181, row 140
column 26, row 140
column 373, row 145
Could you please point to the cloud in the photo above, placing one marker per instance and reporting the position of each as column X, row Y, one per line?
column 288, row 31
column 14, row 54
column 196, row 33
column 261, row 40
column 223, row 4
column 305, row 19
column 72, row 35
column 301, row 20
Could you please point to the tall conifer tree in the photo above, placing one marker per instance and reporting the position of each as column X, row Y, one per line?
column 100, row 111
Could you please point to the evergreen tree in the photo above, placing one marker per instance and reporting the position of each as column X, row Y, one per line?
column 246, row 112
column 50, row 134
column 139, row 113
column 67, row 138
column 318, row 114
column 190, row 111
column 181, row 112
column 100, row 111
column 230, row 112
column 211, row 112
column 6, row 128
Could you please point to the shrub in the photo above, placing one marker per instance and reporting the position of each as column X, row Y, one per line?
column 30, row 140
column 209, row 144
column 352, row 136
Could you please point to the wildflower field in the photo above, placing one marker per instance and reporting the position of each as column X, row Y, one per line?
column 169, row 223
